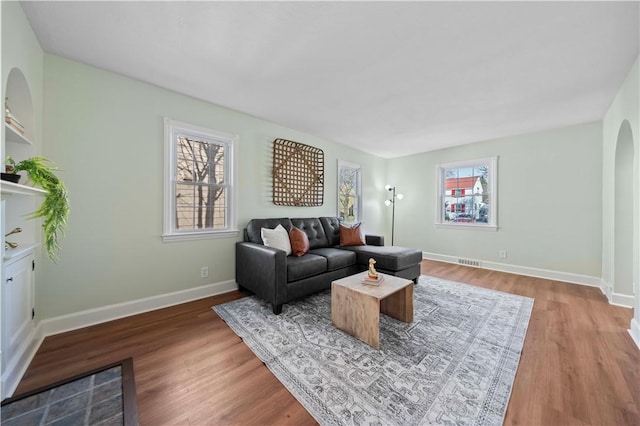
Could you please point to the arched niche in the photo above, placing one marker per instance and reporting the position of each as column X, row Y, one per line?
column 623, row 217
column 19, row 100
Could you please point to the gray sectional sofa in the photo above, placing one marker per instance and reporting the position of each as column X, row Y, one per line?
column 278, row 279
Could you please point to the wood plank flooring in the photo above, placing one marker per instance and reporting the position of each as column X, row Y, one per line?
column 579, row 365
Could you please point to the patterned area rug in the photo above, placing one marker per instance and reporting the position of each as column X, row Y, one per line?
column 455, row 364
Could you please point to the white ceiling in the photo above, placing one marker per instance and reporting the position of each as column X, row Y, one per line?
column 389, row 78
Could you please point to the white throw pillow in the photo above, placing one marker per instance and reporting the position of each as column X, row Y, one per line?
column 276, row 238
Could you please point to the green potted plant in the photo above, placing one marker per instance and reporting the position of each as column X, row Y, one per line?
column 55, row 207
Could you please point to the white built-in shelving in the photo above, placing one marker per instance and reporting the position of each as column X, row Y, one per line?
column 18, row 263
column 12, row 135
column 9, row 188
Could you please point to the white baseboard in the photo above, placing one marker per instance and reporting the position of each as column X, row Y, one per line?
column 607, row 289
column 634, row 331
column 89, row 317
column 17, row 366
column 623, row 300
column 617, row 299
column 613, row 298
column 522, row 270
column 15, row 369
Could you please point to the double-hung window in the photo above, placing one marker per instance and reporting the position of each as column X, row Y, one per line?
column 467, row 194
column 200, row 184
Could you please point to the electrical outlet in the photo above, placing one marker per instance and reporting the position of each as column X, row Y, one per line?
column 204, row 272
column 502, row 254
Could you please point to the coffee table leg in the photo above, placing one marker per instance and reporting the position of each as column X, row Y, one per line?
column 399, row 305
column 357, row 314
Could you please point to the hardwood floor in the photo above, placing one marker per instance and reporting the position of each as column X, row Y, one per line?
column 579, row 365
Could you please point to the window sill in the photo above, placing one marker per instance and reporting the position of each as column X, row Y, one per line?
column 187, row 236
column 467, row 226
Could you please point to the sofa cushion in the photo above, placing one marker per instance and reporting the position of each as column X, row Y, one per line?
column 351, row 235
column 336, row 258
column 314, row 230
column 305, row 266
column 276, row 238
column 299, row 241
column 331, row 227
column 391, row 258
column 252, row 232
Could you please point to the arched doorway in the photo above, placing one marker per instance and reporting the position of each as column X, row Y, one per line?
column 623, row 226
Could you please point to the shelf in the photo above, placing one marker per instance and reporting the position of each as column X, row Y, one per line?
column 10, row 188
column 12, row 135
column 19, row 251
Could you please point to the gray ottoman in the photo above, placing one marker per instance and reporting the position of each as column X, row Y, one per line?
column 393, row 260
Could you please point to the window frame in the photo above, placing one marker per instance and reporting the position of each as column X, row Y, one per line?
column 358, row 202
column 492, row 165
column 173, row 129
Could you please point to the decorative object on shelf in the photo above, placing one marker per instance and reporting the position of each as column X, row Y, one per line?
column 392, row 202
column 298, row 174
column 8, row 244
column 11, row 177
column 10, row 119
column 55, row 207
column 373, row 274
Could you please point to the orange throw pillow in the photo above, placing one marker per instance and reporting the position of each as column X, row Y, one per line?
column 351, row 235
column 299, row 241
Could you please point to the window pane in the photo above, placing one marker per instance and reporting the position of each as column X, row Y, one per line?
column 200, row 169
column 199, row 161
column 466, row 194
column 200, row 206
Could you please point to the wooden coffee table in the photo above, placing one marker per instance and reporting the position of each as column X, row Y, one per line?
column 356, row 307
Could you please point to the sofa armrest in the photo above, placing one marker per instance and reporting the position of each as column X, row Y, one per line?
column 262, row 270
column 374, row 240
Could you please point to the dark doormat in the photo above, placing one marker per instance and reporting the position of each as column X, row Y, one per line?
column 104, row 396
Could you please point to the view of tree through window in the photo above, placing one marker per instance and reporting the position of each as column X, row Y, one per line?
column 348, row 191
column 200, row 184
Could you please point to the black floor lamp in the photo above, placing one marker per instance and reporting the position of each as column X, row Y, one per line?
column 392, row 202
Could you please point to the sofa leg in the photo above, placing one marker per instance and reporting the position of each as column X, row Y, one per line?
column 277, row 309
column 415, row 280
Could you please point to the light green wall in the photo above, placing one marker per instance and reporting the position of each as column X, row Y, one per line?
column 105, row 132
column 624, row 107
column 549, row 205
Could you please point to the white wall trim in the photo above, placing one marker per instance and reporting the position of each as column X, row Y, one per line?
column 607, row 289
column 617, row 299
column 102, row 314
column 634, row 331
column 17, row 366
column 621, row 300
column 14, row 371
column 522, row 270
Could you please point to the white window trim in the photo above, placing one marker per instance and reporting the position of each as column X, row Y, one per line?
column 342, row 163
column 492, row 162
column 171, row 129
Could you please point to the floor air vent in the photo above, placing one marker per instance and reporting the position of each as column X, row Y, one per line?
column 469, row 262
